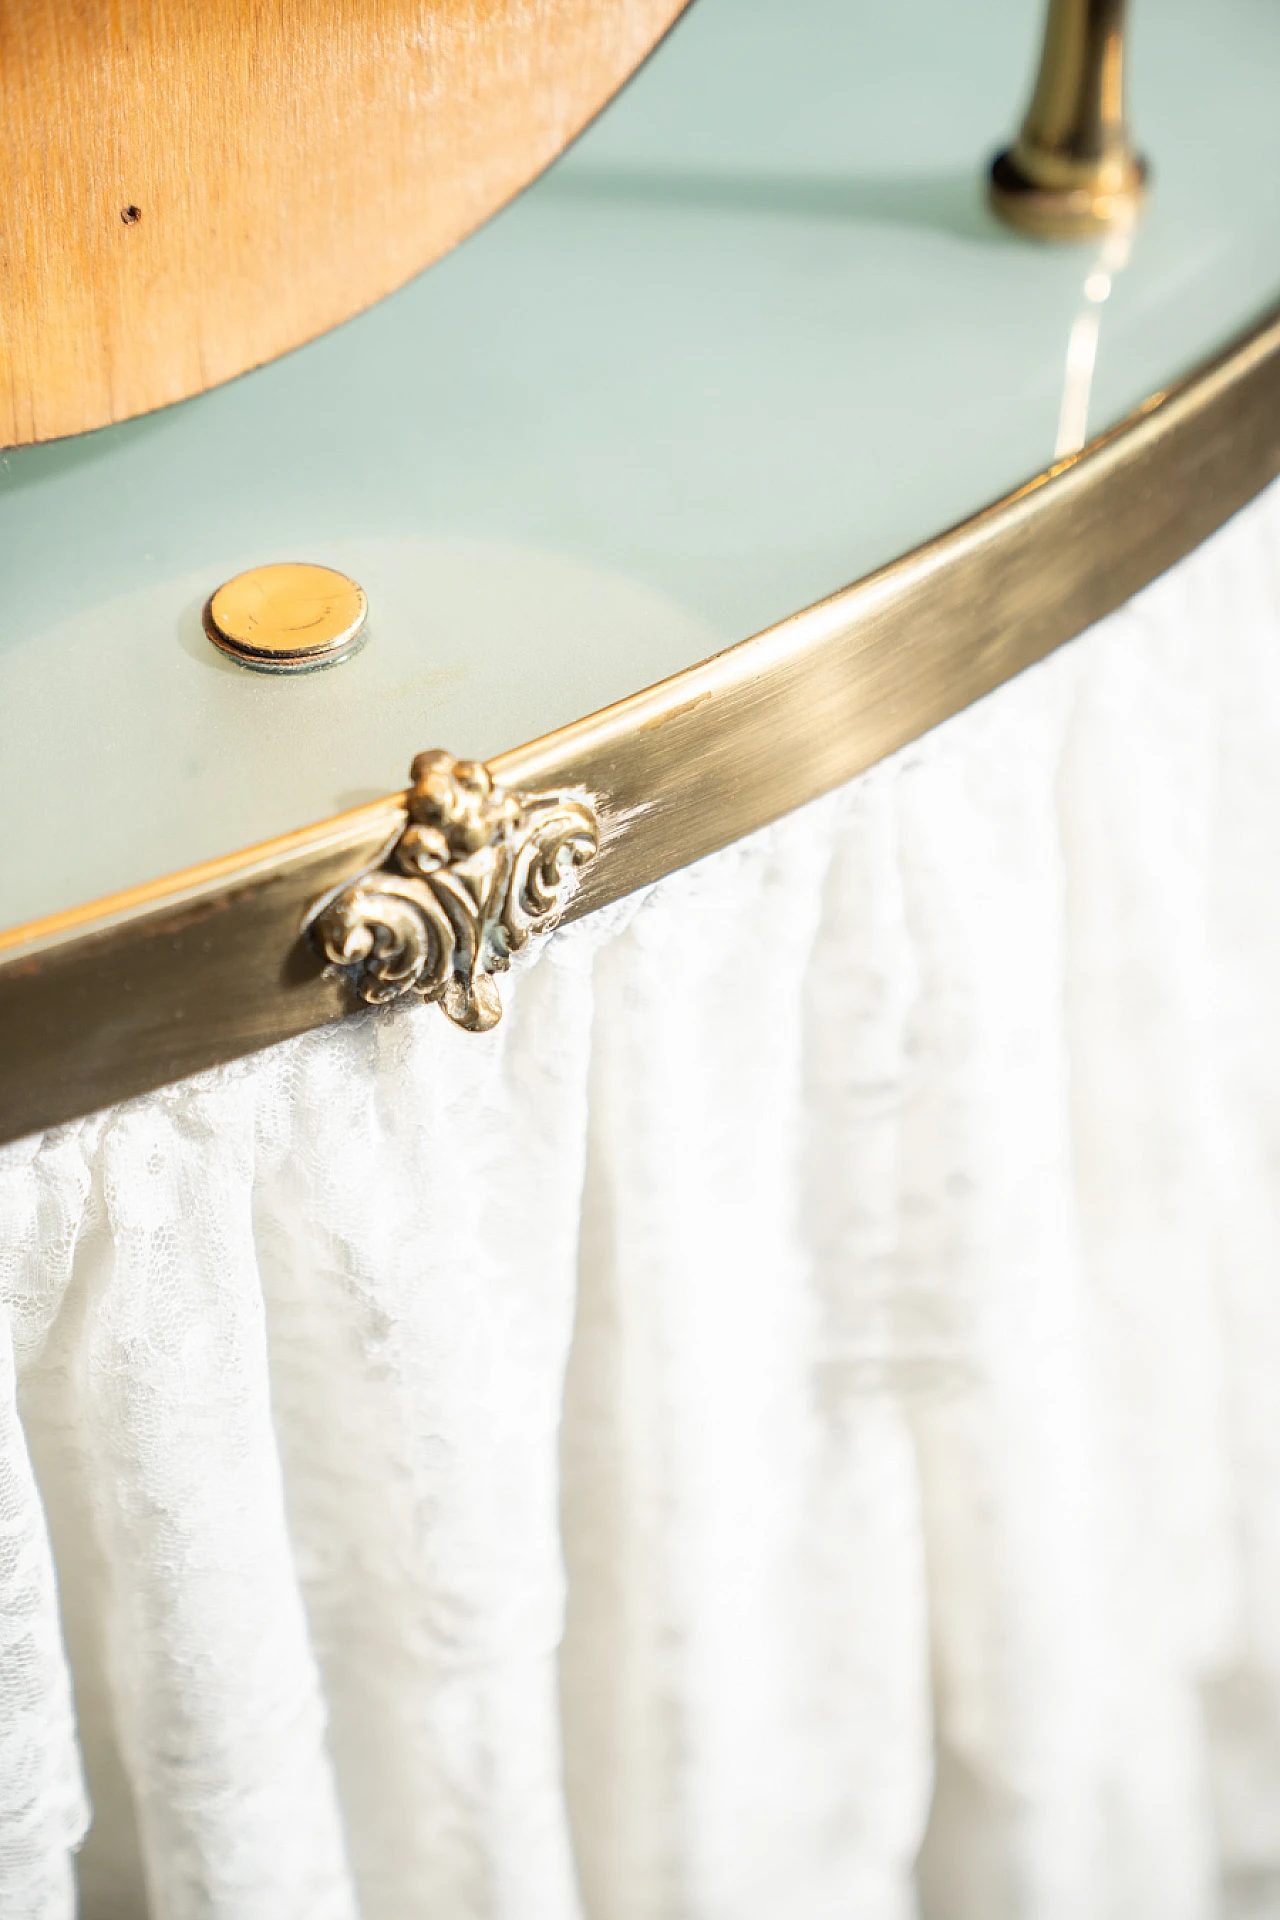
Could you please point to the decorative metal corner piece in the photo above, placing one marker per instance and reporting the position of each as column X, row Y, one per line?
column 476, row 874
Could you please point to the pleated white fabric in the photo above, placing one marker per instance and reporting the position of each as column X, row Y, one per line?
column 788, row 1424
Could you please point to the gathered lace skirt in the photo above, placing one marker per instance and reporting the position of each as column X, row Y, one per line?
column 786, row 1427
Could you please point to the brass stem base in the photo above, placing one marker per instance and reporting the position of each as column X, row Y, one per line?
column 1079, row 212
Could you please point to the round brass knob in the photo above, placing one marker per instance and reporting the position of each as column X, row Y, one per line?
column 288, row 618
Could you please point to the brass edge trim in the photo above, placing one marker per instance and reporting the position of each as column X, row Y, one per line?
column 347, row 835
column 141, row 989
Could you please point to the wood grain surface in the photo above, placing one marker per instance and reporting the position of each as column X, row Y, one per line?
column 194, row 186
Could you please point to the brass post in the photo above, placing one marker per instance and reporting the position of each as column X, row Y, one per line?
column 1073, row 171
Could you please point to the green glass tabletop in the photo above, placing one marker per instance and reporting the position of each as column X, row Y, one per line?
column 753, row 336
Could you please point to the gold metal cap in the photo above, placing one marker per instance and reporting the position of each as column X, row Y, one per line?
column 288, row 618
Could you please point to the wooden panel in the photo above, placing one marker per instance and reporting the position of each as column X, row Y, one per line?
column 191, row 187
column 110, row 1000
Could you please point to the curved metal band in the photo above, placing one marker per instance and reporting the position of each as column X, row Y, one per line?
column 151, row 985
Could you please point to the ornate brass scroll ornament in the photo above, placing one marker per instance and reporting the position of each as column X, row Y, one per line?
column 475, row 875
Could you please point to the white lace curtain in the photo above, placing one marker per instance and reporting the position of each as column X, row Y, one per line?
column 787, row 1425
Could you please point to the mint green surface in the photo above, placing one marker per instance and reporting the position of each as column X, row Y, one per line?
column 753, row 336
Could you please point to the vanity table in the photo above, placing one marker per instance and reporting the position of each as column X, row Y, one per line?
column 676, row 1318
column 604, row 475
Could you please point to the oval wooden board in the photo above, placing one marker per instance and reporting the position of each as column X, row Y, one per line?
column 194, row 186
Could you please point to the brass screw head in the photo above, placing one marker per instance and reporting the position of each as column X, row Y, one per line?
column 288, row 618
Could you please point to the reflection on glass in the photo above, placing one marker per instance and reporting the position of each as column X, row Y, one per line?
column 1082, row 347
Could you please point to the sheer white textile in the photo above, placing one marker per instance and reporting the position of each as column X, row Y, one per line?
column 787, row 1425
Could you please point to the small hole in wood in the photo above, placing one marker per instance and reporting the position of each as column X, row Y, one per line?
column 131, row 215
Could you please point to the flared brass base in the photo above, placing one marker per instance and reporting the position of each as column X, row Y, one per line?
column 1080, row 211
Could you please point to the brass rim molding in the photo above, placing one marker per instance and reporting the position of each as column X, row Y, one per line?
column 144, row 988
